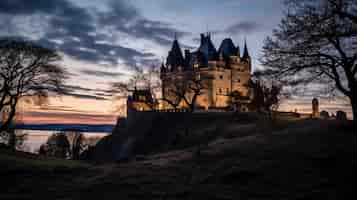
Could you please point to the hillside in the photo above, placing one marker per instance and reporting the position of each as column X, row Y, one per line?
column 303, row 160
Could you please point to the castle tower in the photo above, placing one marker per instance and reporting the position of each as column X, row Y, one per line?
column 175, row 58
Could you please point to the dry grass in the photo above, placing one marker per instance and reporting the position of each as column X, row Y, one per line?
column 303, row 160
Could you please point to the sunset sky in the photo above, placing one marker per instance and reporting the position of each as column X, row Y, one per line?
column 100, row 40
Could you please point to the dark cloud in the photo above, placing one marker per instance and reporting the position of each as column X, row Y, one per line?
column 83, row 89
column 245, row 27
column 28, row 6
column 85, row 93
column 84, row 96
column 102, row 73
column 125, row 18
column 77, row 29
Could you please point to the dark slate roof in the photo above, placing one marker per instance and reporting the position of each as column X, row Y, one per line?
column 227, row 48
column 207, row 48
column 175, row 57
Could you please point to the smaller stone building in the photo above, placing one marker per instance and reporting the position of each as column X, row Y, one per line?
column 140, row 100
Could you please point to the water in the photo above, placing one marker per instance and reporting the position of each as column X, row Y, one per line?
column 34, row 138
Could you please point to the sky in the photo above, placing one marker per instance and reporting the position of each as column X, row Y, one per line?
column 101, row 40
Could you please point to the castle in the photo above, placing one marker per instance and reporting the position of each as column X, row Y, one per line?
column 220, row 72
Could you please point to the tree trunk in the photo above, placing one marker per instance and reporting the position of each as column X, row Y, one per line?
column 5, row 126
column 353, row 100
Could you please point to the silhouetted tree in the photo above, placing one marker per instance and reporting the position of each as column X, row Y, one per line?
column 265, row 98
column 77, row 143
column 57, row 145
column 316, row 42
column 186, row 89
column 139, row 78
column 26, row 70
column 235, row 100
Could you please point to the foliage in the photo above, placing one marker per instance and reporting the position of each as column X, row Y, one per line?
column 265, row 97
column 77, row 143
column 69, row 143
column 57, row 145
column 13, row 140
column 316, row 42
column 235, row 100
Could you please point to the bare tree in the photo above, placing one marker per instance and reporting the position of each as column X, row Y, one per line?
column 316, row 42
column 140, row 78
column 185, row 89
column 57, row 145
column 266, row 97
column 77, row 143
column 26, row 70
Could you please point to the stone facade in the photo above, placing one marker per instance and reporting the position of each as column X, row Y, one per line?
column 222, row 71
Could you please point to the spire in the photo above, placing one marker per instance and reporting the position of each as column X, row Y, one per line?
column 245, row 52
column 175, row 57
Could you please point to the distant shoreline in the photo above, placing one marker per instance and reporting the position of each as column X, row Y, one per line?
column 106, row 128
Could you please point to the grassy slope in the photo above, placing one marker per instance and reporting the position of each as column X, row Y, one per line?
column 302, row 160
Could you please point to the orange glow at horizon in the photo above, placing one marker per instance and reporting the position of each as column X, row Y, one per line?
column 111, row 120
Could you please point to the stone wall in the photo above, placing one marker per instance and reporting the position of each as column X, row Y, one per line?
column 153, row 131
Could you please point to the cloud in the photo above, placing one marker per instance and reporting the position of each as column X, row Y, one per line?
column 78, row 31
column 84, row 96
column 102, row 73
column 77, row 92
column 245, row 27
column 125, row 18
column 28, row 6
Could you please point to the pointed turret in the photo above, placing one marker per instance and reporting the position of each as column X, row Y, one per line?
column 175, row 57
column 227, row 48
column 246, row 55
column 207, row 49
